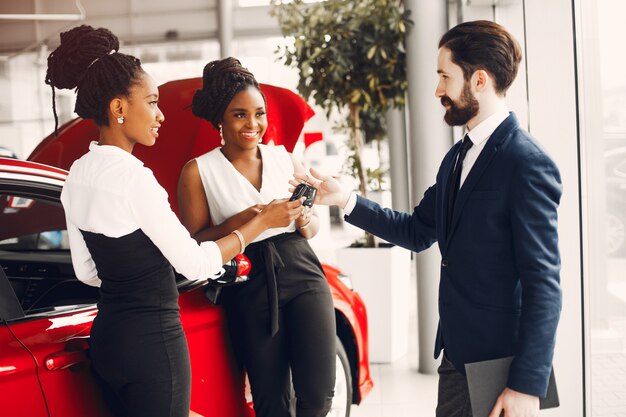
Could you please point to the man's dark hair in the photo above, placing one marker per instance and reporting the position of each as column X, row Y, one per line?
column 221, row 80
column 87, row 60
column 484, row 45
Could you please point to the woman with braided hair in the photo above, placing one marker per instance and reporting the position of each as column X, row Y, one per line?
column 283, row 319
column 124, row 237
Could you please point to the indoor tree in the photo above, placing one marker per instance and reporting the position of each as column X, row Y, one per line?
column 350, row 56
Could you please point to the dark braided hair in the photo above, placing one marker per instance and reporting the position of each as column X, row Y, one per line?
column 87, row 60
column 221, row 80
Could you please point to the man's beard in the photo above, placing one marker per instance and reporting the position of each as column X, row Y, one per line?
column 461, row 111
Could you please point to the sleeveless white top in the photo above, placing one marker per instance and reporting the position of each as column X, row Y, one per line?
column 228, row 192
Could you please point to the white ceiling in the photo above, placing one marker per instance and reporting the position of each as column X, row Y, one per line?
column 133, row 21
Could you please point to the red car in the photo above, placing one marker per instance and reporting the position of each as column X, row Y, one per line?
column 46, row 313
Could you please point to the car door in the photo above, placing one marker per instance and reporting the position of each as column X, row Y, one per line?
column 59, row 343
column 217, row 387
column 58, row 309
column 19, row 388
column 18, row 369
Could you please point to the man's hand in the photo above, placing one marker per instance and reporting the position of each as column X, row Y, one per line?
column 329, row 190
column 516, row 404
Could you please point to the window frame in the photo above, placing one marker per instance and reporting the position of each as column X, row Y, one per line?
column 48, row 191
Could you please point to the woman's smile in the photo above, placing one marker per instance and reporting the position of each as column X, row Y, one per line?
column 250, row 135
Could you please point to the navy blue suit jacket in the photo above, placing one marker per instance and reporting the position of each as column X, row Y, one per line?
column 499, row 291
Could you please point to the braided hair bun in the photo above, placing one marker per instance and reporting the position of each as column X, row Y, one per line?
column 87, row 60
column 80, row 47
column 221, row 80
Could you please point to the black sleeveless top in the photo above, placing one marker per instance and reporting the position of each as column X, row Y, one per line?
column 138, row 294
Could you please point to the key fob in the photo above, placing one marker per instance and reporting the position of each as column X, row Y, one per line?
column 304, row 190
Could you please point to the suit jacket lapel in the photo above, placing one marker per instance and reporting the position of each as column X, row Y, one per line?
column 498, row 137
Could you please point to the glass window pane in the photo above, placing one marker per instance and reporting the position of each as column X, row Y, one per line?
column 31, row 224
column 603, row 113
column 35, row 256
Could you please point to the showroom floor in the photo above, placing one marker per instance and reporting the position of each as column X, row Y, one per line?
column 399, row 390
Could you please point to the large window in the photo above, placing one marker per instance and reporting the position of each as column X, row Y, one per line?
column 603, row 133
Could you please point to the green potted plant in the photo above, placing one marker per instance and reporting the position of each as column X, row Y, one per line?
column 350, row 56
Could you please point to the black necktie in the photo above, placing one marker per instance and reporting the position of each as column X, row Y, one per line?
column 455, row 179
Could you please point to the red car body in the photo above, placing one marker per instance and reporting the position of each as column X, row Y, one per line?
column 44, row 360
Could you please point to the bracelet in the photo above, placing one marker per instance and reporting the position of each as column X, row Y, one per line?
column 242, row 242
column 305, row 226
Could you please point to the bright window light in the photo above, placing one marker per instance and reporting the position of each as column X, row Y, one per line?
column 255, row 3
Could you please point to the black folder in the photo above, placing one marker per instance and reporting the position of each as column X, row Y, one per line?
column 487, row 379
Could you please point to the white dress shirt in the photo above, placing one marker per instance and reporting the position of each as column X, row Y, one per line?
column 109, row 191
column 478, row 135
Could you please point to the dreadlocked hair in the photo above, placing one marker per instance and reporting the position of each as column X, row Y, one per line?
column 87, row 61
column 221, row 80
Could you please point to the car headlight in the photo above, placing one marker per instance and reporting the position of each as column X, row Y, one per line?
column 347, row 281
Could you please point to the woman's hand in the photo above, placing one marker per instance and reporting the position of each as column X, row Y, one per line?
column 305, row 218
column 280, row 213
column 248, row 214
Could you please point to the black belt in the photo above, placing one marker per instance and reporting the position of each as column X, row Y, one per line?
column 273, row 264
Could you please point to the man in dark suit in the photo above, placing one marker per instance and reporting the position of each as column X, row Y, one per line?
column 493, row 211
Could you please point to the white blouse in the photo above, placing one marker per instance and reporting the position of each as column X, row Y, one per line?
column 109, row 191
column 228, row 192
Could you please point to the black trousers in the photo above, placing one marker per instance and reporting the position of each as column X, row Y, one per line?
column 156, row 383
column 297, row 334
column 453, row 394
column 303, row 344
